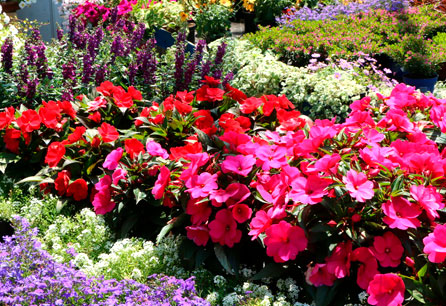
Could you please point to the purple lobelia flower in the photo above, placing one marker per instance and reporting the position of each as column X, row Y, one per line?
column 30, row 276
column 137, row 36
column 221, row 50
column 6, row 55
column 88, row 70
column 101, row 73
column 147, row 62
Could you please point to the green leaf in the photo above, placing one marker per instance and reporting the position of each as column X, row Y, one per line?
column 422, row 271
column 139, row 195
column 7, row 158
column 397, row 186
column 31, row 179
column 164, row 231
column 222, row 258
column 271, row 270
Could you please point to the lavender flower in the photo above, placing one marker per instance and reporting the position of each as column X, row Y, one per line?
column 137, row 37
column 87, row 71
column 117, row 47
column 59, row 34
column 147, row 62
column 101, row 73
column 192, row 66
column 6, row 52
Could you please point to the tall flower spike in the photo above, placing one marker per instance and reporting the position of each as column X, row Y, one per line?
column 6, row 55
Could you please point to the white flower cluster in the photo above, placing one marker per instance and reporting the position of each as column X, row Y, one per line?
column 25, row 3
column 7, row 29
column 86, row 233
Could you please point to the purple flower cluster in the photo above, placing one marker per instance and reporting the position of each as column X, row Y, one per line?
column 6, row 55
column 29, row 276
column 333, row 11
column 179, row 60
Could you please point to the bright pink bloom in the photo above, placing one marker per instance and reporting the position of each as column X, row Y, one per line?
column 196, row 161
column 119, row 174
column 155, row 149
column 104, row 183
column 309, row 190
column 161, row 183
column 99, row 102
column 198, row 234
column 102, row 202
column 233, row 194
column 368, row 266
column 319, row 276
column 338, row 263
column 386, row 290
column 223, row 229
column 328, row 165
column 272, row 189
column 435, row 244
column 238, row 164
column 358, row 186
column 112, row 159
column 284, row 241
column 199, row 210
column 400, row 213
column 200, row 186
column 259, row 224
column 241, row 212
column 428, row 198
column 388, row 250
column 271, row 157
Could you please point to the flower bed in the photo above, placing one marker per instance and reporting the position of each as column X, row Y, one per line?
column 227, row 169
column 30, row 276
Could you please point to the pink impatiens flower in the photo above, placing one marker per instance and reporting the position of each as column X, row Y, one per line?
column 435, row 244
column 155, row 149
column 309, row 190
column 238, row 164
column 388, row 250
column 358, row 186
column 200, row 186
column 223, row 229
column 368, row 267
column 161, row 183
column 386, row 290
column 259, row 224
column 428, row 198
column 338, row 263
column 199, row 210
column 112, row 159
column 400, row 213
column 284, row 241
column 198, row 234
column 319, row 276
column 119, row 174
column 241, row 212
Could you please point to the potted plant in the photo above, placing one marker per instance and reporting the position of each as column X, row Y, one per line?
column 266, row 11
column 213, row 21
column 419, row 59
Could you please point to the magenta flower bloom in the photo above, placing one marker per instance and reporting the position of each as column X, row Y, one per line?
column 368, row 266
column 338, row 263
column 241, row 212
column 155, row 149
column 428, row 198
column 435, row 244
column 319, row 276
column 309, row 190
column 223, row 229
column 271, row 157
column 388, row 250
column 239, row 164
column 161, row 183
column 259, row 224
column 284, row 241
column 119, row 174
column 104, row 183
column 112, row 159
column 386, row 290
column 358, row 186
column 200, row 186
column 400, row 213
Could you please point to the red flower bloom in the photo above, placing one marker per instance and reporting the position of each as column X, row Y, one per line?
column 386, row 290
column 135, row 94
column 205, row 93
column 61, row 182
column 56, row 151
column 108, row 132
column 199, row 210
column 67, row 108
column 133, row 147
column 235, row 94
column 50, row 115
column 198, row 234
column 96, row 117
column 107, row 88
column 12, row 140
column 7, row 117
column 29, row 121
column 250, row 105
column 122, row 98
column 205, row 122
column 78, row 189
column 77, row 134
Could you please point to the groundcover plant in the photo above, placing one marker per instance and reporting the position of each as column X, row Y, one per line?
column 29, row 276
column 358, row 205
